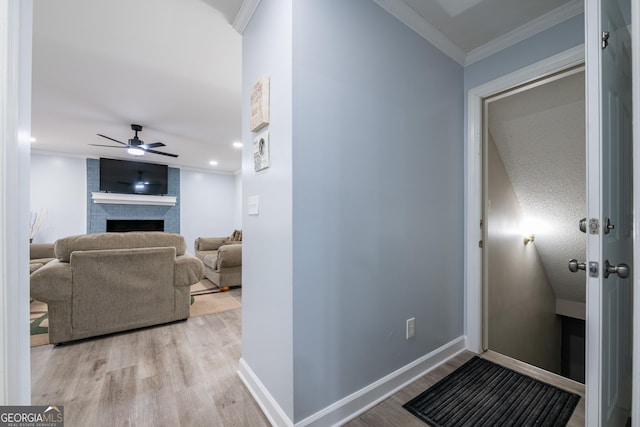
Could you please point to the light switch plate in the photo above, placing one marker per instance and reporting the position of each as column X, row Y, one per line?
column 254, row 205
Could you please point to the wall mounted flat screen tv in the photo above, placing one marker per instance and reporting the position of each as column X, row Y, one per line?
column 127, row 177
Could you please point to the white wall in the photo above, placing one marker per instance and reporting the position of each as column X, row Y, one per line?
column 238, row 189
column 207, row 205
column 208, row 202
column 59, row 185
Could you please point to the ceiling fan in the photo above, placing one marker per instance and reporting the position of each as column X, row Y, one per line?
column 136, row 146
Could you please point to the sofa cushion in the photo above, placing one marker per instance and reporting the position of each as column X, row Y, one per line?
column 41, row 251
column 209, row 243
column 131, row 240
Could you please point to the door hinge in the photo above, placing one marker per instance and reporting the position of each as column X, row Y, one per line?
column 605, row 39
column 480, row 245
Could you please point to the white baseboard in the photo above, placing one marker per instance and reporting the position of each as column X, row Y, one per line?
column 267, row 403
column 356, row 403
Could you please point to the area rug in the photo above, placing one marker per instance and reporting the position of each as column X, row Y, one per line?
column 205, row 299
column 482, row 393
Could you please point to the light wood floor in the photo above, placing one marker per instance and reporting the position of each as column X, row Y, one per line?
column 390, row 413
column 185, row 374
column 181, row 374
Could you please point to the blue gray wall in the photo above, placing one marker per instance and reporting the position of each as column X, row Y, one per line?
column 97, row 214
column 559, row 38
column 361, row 212
column 377, row 198
column 267, row 281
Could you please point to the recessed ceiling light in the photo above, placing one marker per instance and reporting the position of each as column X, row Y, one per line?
column 237, row 144
column 213, row 163
column 33, row 139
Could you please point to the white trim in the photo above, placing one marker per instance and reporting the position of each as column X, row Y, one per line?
column 247, row 8
column 635, row 57
column 413, row 20
column 274, row 413
column 132, row 199
column 473, row 183
column 531, row 28
column 417, row 23
column 356, row 403
column 573, row 309
column 593, row 333
column 366, row 398
column 15, row 129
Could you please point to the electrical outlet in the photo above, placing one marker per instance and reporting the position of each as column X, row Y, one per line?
column 411, row 328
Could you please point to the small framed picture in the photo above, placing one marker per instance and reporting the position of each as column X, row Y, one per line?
column 260, row 104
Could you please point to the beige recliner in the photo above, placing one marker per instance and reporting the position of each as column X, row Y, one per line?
column 222, row 258
column 110, row 282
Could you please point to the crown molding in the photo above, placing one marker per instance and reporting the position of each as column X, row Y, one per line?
column 411, row 19
column 529, row 29
column 247, row 8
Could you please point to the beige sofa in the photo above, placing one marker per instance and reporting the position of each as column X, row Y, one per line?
column 222, row 258
column 39, row 255
column 110, row 282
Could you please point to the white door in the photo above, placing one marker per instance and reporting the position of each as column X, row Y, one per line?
column 610, row 213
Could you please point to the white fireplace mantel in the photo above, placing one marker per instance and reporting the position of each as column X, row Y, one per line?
column 132, row 199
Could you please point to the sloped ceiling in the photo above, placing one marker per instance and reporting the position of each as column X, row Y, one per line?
column 540, row 135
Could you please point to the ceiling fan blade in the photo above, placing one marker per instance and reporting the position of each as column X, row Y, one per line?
column 161, row 153
column 154, row 145
column 104, row 136
column 110, row 146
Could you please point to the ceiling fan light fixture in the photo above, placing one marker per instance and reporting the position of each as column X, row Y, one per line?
column 135, row 151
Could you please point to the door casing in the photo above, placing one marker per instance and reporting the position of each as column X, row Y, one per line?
column 473, row 183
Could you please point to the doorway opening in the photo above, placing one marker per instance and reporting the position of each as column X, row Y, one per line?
column 534, row 195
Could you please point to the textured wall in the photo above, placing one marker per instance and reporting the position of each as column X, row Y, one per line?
column 540, row 135
column 97, row 213
column 521, row 303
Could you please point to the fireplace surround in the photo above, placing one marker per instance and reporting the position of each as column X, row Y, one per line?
column 98, row 212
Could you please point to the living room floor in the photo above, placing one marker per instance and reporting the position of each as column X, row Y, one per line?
column 185, row 374
column 180, row 374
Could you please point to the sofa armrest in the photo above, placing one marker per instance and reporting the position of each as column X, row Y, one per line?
column 230, row 256
column 189, row 270
column 209, row 243
column 41, row 250
column 52, row 282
